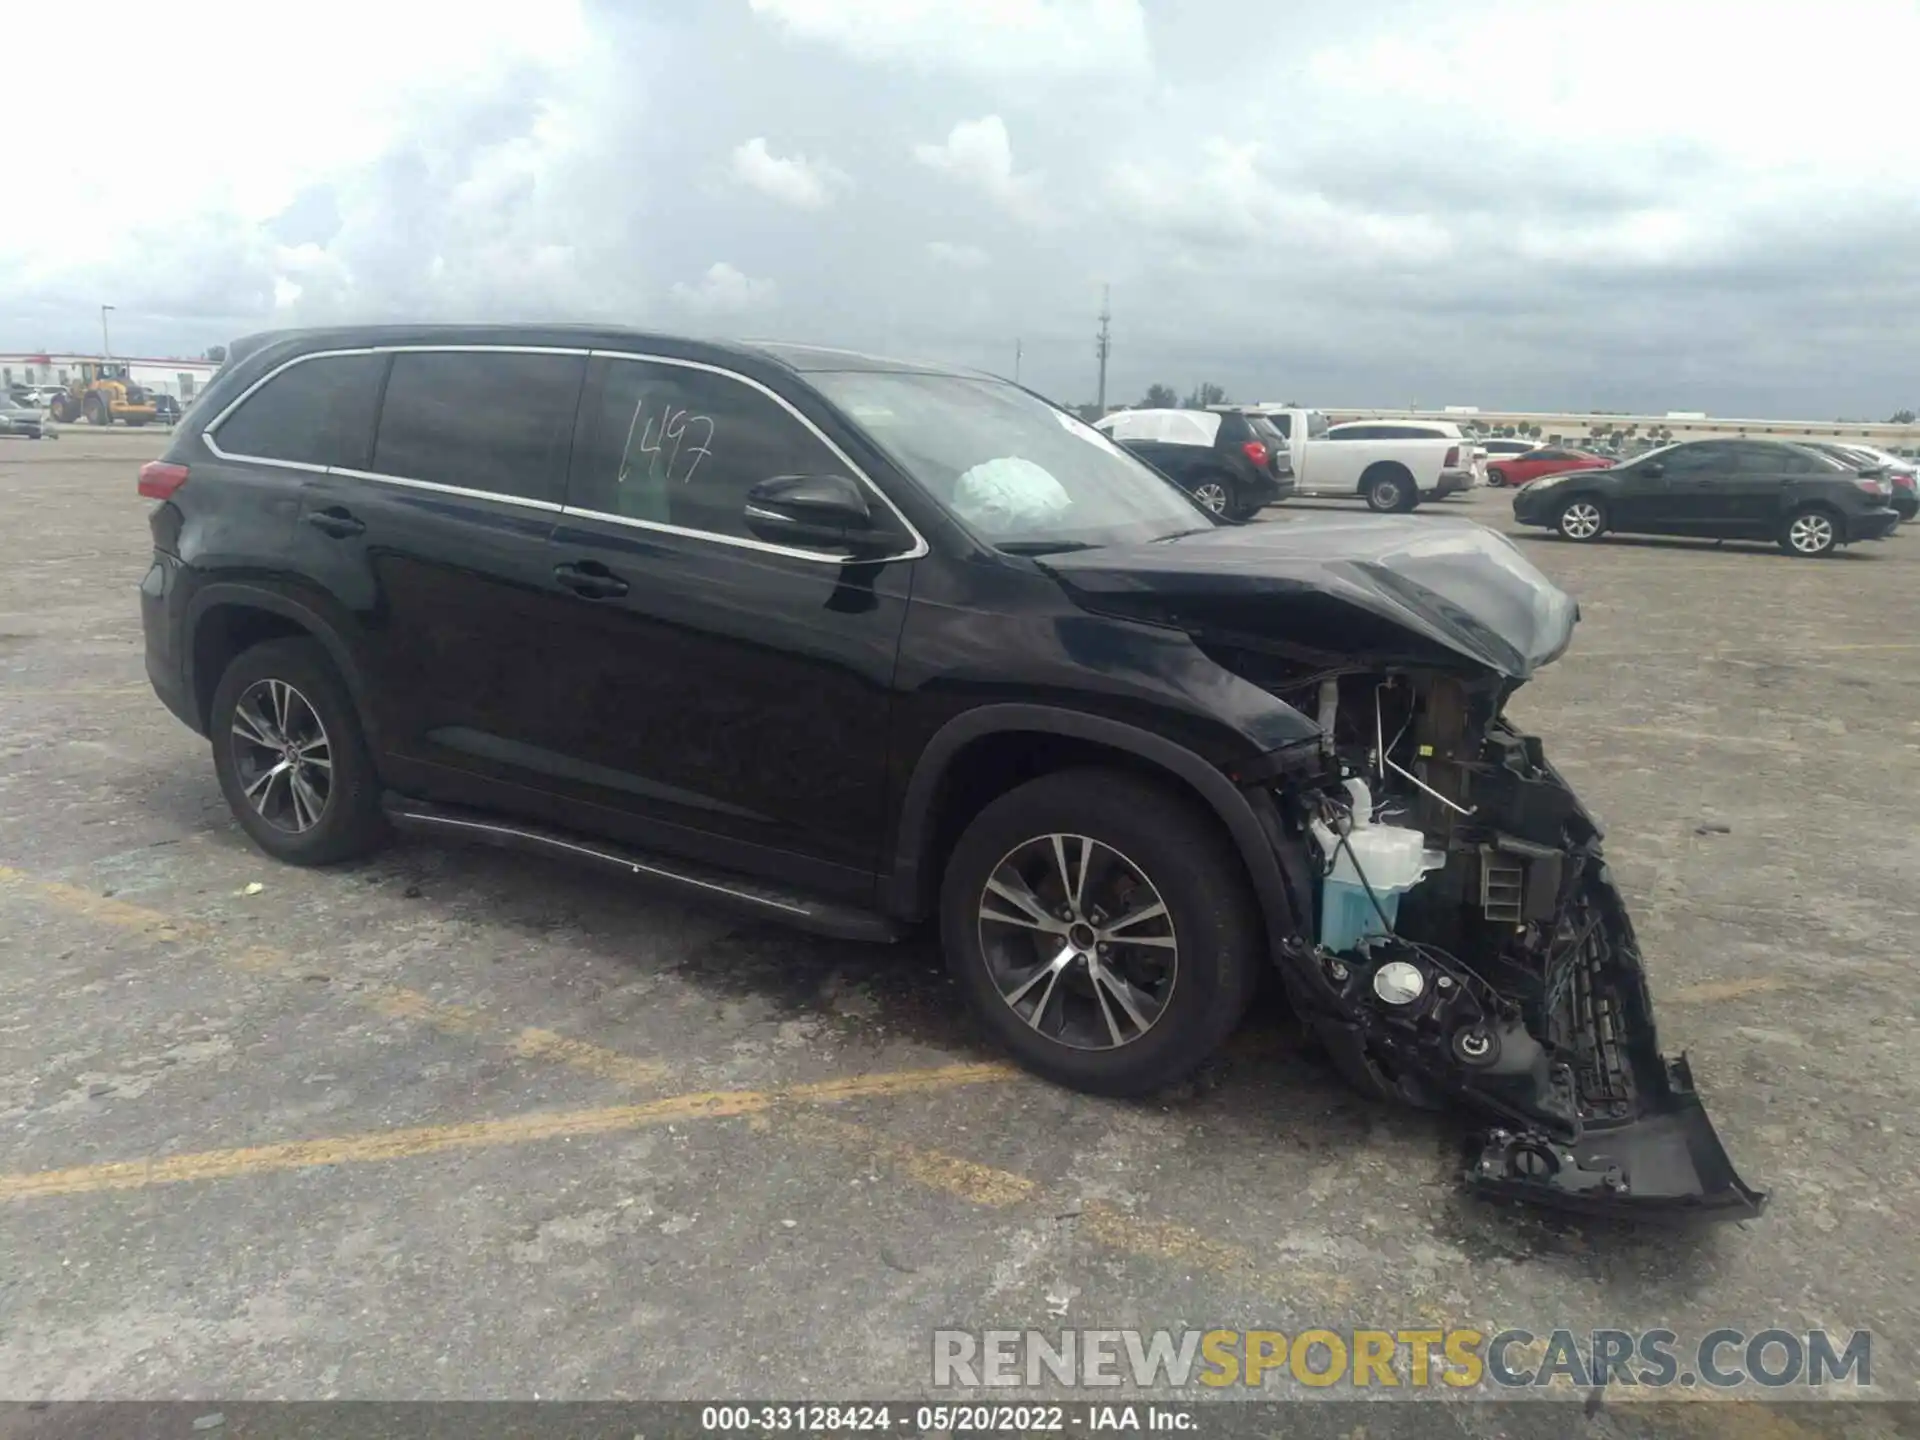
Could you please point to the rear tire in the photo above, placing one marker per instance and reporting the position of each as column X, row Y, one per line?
column 1216, row 493
column 1043, row 979
column 291, row 756
column 1811, row 533
column 1582, row 519
column 1391, row 491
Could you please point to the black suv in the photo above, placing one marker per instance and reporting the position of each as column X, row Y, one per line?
column 1233, row 462
column 856, row 645
column 1807, row 501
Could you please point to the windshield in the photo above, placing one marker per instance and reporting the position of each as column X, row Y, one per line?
column 1018, row 473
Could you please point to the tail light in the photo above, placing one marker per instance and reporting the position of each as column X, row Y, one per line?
column 159, row 479
column 1873, row 485
column 1903, row 482
column 1452, row 461
column 1256, row 452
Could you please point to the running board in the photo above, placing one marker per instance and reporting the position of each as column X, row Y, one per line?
column 695, row 882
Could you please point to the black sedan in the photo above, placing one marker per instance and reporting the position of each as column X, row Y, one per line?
column 1805, row 501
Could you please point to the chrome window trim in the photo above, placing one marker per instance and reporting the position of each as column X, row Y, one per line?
column 209, row 435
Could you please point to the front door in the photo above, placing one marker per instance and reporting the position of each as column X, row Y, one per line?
column 709, row 692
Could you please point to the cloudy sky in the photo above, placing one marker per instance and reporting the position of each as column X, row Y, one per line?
column 1622, row 205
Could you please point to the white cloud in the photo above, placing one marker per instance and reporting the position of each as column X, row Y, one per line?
column 1230, row 195
column 978, row 153
column 798, row 181
column 723, row 290
column 959, row 257
column 983, row 38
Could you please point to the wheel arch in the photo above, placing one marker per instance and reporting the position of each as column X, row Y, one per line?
column 975, row 747
column 226, row 618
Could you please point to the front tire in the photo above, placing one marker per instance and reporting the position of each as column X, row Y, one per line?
column 1581, row 519
column 1102, row 929
column 291, row 756
column 1810, row 533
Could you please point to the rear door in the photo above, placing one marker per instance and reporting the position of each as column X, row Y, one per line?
column 434, row 549
column 1751, row 487
column 711, row 693
column 1674, row 502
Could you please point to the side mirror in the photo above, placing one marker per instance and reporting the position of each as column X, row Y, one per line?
column 1654, row 469
column 812, row 512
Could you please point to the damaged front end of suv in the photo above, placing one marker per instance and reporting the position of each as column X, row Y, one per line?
column 1460, row 936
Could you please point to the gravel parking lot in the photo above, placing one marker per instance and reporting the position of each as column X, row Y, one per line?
column 453, row 1123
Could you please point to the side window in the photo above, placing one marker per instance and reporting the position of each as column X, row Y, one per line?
column 1282, row 423
column 1696, row 459
column 682, row 447
column 495, row 421
column 1355, row 432
column 1786, row 461
column 317, row 412
column 1233, row 430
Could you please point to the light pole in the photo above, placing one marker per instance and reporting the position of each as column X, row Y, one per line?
column 106, row 345
column 1016, row 360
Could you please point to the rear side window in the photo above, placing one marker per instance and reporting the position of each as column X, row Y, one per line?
column 682, row 447
column 1282, row 423
column 316, row 412
column 500, row 422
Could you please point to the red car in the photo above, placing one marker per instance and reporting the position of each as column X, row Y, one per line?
column 1519, row 469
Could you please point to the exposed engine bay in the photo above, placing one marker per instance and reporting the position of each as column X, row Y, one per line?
column 1458, row 936
column 1468, row 942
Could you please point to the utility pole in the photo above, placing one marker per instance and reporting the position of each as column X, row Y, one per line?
column 1016, row 359
column 1103, row 345
column 106, row 345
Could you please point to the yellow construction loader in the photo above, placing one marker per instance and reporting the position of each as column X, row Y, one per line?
column 103, row 393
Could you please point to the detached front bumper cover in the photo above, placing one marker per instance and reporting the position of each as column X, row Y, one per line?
column 1666, row 1163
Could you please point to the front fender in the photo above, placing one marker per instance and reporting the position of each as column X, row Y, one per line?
column 909, row 889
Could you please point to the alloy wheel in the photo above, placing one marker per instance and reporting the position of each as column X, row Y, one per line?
column 1078, row 941
column 1811, row 534
column 1213, row 495
column 1580, row 520
column 282, row 756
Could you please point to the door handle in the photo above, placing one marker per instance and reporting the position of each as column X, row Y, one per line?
column 590, row 580
column 336, row 521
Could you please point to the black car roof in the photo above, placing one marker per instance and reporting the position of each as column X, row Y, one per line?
column 798, row 358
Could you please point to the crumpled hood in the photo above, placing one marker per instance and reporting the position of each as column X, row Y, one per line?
column 1444, row 581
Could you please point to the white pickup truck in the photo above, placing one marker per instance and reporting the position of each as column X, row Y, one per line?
column 1390, row 466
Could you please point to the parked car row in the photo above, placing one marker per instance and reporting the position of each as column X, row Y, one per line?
column 1810, row 499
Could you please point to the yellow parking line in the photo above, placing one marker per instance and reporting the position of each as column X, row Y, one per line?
column 1099, row 1223
column 1711, row 990
column 395, row 1002
column 479, row 1134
